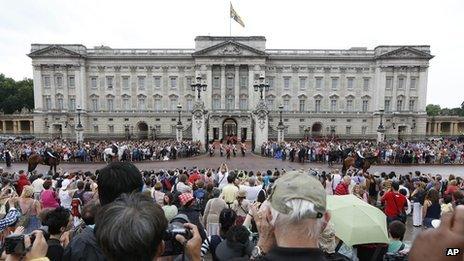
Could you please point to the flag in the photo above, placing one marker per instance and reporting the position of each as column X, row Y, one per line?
column 235, row 16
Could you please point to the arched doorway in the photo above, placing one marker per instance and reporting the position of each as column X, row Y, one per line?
column 142, row 128
column 229, row 130
column 316, row 129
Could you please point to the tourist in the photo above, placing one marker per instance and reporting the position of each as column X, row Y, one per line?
column 447, row 205
column 229, row 192
column 57, row 221
column 343, row 187
column 213, row 208
column 30, row 208
column 241, row 206
column 48, row 197
column 182, row 186
column 158, row 194
column 121, row 237
column 395, row 204
column 396, row 231
column 189, row 208
column 227, row 219
column 170, row 210
column 37, row 184
column 237, row 244
column 360, row 193
column 290, row 223
column 431, row 209
column 252, row 189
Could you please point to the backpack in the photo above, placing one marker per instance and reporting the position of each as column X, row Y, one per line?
column 199, row 195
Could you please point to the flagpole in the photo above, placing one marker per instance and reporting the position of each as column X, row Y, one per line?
column 230, row 20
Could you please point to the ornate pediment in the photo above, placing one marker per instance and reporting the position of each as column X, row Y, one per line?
column 405, row 52
column 229, row 48
column 55, row 51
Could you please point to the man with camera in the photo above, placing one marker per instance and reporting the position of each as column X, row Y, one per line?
column 123, row 237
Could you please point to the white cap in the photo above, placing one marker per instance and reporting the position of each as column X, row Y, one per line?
column 436, row 223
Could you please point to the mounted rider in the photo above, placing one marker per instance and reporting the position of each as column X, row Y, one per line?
column 114, row 148
column 359, row 157
column 48, row 153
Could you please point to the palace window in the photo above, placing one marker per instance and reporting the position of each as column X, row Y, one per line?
column 350, row 83
column 230, row 82
column 216, row 103
column 412, row 104
column 94, row 103
column 333, row 105
column 125, row 82
column 399, row 104
column 141, row 82
column 93, row 82
column 270, row 81
column 141, row 103
column 216, row 82
column 243, row 82
column 189, row 104
column 363, row 130
column 126, row 104
column 157, row 81
column 173, row 104
column 173, row 82
column 46, row 80
column 413, row 83
column 109, row 82
column 349, row 105
column 400, row 83
column 71, row 82
column 318, row 83
column 348, row 130
column 302, row 83
column 365, row 105
column 366, row 84
column 110, row 104
column 317, row 104
column 286, row 105
column 388, row 83
column 243, row 103
column 302, row 105
column 286, row 83
column 72, row 103
column 334, row 84
column 59, row 81
column 230, row 103
column 59, row 103
column 387, row 105
column 158, row 104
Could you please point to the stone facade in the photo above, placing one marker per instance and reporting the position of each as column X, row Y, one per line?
column 136, row 91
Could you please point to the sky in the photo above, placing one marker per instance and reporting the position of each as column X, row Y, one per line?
column 303, row 24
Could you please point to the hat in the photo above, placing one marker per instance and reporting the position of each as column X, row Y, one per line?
column 241, row 194
column 298, row 185
column 170, row 212
column 185, row 198
column 436, row 223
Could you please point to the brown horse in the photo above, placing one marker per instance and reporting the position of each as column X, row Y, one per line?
column 36, row 159
column 350, row 161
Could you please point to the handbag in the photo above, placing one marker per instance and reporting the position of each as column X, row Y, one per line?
column 402, row 214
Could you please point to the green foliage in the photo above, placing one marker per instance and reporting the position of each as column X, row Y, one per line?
column 16, row 95
column 435, row 110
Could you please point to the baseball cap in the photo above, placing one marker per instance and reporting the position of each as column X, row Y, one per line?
column 298, row 185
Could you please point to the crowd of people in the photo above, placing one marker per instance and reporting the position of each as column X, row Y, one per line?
column 122, row 213
column 93, row 151
column 438, row 151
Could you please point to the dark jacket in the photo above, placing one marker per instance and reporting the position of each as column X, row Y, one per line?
column 83, row 247
column 294, row 254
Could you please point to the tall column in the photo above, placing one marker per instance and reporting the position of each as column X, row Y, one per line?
column 223, row 86
column 237, row 87
column 209, row 90
column 31, row 127
column 38, row 91
column 3, row 126
column 422, row 89
column 439, row 128
column 15, row 127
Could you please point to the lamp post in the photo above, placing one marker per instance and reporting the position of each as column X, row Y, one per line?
column 79, row 127
column 381, row 129
column 280, row 127
column 261, row 85
column 179, row 126
column 199, row 85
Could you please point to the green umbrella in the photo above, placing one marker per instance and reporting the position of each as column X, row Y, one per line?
column 357, row 222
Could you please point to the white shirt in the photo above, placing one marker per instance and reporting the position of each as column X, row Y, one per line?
column 405, row 188
column 37, row 185
column 222, row 179
column 336, row 178
column 65, row 199
column 252, row 192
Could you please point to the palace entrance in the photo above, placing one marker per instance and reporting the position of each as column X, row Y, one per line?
column 229, row 130
column 142, row 130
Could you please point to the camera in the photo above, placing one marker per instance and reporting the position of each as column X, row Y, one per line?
column 176, row 227
column 14, row 244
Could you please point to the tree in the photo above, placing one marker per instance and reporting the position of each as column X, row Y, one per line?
column 16, row 95
column 433, row 109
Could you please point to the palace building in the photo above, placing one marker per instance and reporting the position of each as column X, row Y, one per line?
column 135, row 92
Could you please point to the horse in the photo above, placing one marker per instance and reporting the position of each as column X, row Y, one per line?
column 336, row 155
column 109, row 155
column 36, row 159
column 351, row 162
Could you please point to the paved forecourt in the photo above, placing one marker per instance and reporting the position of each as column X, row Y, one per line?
column 250, row 162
